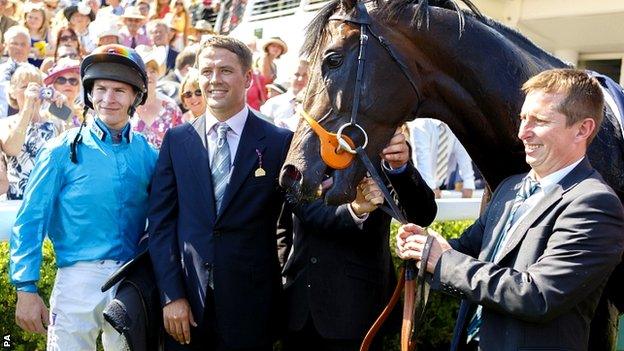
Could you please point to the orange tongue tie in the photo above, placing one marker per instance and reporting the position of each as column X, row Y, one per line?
column 331, row 153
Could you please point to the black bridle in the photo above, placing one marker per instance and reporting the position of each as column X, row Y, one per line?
column 361, row 17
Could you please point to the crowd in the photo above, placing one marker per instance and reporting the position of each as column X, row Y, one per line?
column 136, row 112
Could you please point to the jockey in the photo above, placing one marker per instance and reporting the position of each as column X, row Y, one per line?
column 88, row 193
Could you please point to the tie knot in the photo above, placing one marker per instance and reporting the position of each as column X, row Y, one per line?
column 222, row 129
column 529, row 186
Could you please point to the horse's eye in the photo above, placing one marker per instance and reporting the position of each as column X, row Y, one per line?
column 333, row 60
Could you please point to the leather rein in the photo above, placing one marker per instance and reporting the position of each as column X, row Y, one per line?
column 338, row 152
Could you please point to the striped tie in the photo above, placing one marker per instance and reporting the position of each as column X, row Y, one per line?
column 529, row 186
column 444, row 151
column 220, row 168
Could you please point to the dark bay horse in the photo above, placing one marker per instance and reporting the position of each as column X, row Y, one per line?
column 426, row 59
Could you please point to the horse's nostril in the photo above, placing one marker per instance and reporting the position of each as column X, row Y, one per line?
column 291, row 176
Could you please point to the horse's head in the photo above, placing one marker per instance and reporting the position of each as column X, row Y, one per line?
column 334, row 42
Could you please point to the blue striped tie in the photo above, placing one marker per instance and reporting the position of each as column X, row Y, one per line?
column 529, row 186
column 220, row 168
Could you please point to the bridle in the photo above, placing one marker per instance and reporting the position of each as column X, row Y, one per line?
column 338, row 151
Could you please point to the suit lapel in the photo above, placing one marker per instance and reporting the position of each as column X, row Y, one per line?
column 580, row 172
column 246, row 158
column 197, row 153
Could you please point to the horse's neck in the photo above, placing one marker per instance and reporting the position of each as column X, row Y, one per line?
column 473, row 84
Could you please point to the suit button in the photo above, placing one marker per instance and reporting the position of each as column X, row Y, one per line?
column 313, row 260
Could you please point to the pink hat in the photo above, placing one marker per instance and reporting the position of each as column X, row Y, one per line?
column 63, row 65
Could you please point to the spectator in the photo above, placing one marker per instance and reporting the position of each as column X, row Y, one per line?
column 22, row 135
column 79, row 17
column 256, row 94
column 159, row 113
column 192, row 97
column 180, row 23
column 203, row 27
column 114, row 7
column 144, row 7
column 18, row 44
column 273, row 49
column 184, row 61
column 161, row 35
column 132, row 34
column 64, row 77
column 436, row 152
column 5, row 22
column 13, row 10
column 161, row 9
column 36, row 21
column 67, row 45
column 275, row 89
column 281, row 109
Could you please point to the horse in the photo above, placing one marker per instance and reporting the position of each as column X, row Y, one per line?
column 428, row 59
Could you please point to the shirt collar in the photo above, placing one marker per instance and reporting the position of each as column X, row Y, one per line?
column 101, row 131
column 552, row 179
column 236, row 122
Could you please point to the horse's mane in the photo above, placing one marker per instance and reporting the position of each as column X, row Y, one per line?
column 392, row 10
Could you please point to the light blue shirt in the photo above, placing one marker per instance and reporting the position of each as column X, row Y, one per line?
column 93, row 210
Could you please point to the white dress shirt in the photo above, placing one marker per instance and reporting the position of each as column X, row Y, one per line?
column 424, row 140
column 280, row 109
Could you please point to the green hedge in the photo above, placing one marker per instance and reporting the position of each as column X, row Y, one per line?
column 435, row 333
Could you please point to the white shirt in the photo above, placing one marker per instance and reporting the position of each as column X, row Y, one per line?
column 280, row 108
column 546, row 185
column 424, row 139
column 236, row 124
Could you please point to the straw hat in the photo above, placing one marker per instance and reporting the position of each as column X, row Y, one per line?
column 81, row 8
column 62, row 66
column 277, row 41
column 107, row 31
column 132, row 12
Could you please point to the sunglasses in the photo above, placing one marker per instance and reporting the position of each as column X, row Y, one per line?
column 67, row 38
column 189, row 93
column 63, row 81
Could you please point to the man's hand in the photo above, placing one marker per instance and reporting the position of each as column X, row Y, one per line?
column 178, row 318
column 397, row 151
column 31, row 314
column 411, row 241
column 368, row 197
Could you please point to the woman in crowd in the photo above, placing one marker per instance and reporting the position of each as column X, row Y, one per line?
column 36, row 21
column 79, row 16
column 161, row 10
column 273, row 48
column 192, row 97
column 159, row 113
column 23, row 134
column 64, row 77
column 66, row 45
column 181, row 23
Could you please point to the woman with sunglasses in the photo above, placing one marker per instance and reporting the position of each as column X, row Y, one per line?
column 66, row 45
column 22, row 135
column 192, row 97
column 159, row 113
column 64, row 78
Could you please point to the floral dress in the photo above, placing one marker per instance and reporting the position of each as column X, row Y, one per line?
column 20, row 166
column 169, row 116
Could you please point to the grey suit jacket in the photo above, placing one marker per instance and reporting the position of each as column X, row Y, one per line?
column 543, row 290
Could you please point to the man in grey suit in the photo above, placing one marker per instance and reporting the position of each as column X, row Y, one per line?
column 532, row 268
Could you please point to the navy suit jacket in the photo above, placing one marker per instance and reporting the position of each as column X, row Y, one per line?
column 189, row 241
column 171, row 58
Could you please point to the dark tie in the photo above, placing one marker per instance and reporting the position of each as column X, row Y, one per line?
column 133, row 43
column 220, row 167
column 528, row 187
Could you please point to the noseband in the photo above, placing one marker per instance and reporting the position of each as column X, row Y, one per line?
column 338, row 151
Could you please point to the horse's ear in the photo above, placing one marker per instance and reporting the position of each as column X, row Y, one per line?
column 347, row 5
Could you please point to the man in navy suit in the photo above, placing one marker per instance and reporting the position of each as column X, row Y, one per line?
column 214, row 207
column 161, row 35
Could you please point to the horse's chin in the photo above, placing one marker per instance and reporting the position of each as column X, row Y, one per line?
column 341, row 191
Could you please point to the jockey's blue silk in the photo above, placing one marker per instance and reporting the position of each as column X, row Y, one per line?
column 92, row 210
